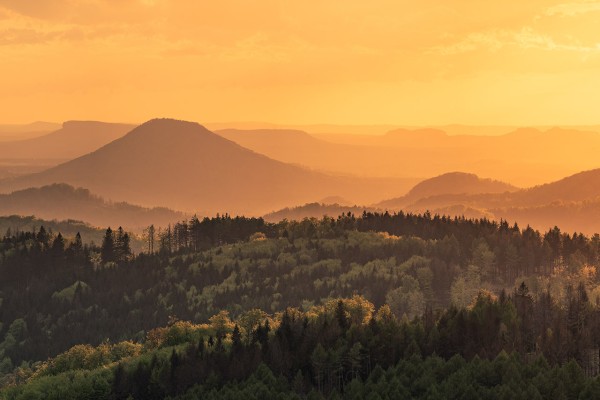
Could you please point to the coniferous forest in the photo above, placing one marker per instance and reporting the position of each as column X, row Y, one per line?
column 374, row 306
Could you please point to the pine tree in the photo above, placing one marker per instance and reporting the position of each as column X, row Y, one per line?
column 122, row 246
column 77, row 244
column 43, row 237
column 58, row 245
column 107, row 251
column 236, row 338
column 150, row 236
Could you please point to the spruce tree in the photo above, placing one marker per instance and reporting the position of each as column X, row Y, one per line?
column 107, row 251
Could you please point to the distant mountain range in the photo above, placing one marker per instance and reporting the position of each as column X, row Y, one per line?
column 572, row 203
column 64, row 202
column 300, row 148
column 525, row 156
column 184, row 166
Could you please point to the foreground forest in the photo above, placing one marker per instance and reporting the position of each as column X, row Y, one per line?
column 388, row 305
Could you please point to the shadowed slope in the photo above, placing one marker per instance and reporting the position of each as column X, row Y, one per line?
column 64, row 202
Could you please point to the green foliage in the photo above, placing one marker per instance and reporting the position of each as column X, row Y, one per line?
column 315, row 355
column 58, row 292
column 69, row 293
column 407, row 299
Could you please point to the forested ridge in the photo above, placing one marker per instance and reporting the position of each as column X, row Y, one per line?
column 343, row 349
column 412, row 291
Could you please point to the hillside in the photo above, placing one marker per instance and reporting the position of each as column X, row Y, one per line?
column 73, row 139
column 184, row 166
column 450, row 183
column 572, row 203
column 581, row 186
column 350, row 305
column 64, row 202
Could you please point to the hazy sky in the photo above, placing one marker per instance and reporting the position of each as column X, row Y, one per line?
column 309, row 61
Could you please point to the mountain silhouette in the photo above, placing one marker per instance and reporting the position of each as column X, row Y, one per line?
column 182, row 165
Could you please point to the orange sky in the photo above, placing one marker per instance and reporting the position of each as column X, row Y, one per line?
column 311, row 61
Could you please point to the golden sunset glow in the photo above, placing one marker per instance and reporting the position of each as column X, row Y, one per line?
column 351, row 62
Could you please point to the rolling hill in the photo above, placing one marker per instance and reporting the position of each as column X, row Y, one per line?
column 12, row 132
column 67, row 228
column 442, row 194
column 572, row 203
column 184, row 166
column 64, row 202
column 452, row 183
column 578, row 187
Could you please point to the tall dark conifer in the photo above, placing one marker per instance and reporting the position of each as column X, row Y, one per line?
column 108, row 246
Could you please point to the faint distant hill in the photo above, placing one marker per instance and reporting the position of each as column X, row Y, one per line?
column 12, row 132
column 67, row 228
column 184, row 166
column 449, row 183
column 64, row 202
column 335, row 200
column 315, row 210
column 38, row 126
column 300, row 148
column 524, row 156
column 73, row 139
column 286, row 145
column 572, row 203
column 416, row 137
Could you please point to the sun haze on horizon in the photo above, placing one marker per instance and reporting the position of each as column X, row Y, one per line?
column 385, row 62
